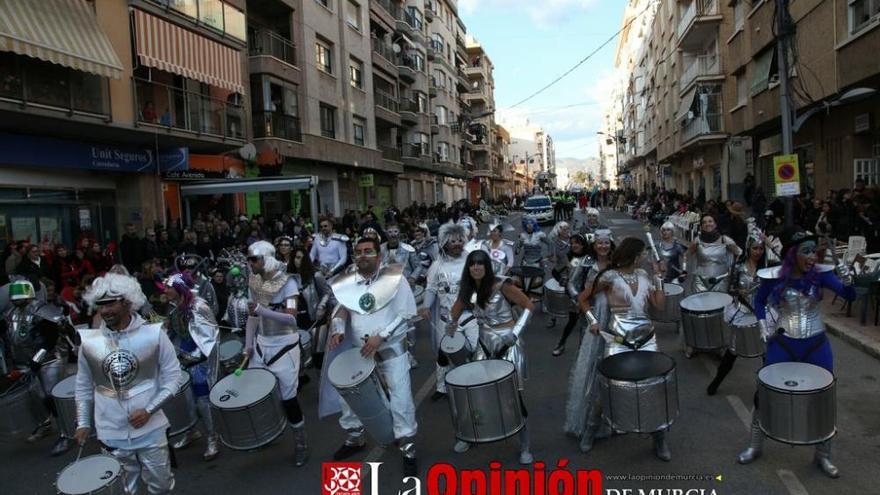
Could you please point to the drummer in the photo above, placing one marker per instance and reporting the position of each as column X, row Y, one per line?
column 31, row 328
column 558, row 247
column 427, row 250
column 127, row 397
column 573, row 283
column 329, row 251
column 795, row 292
column 593, row 223
column 629, row 291
column 377, row 304
column 673, row 255
column 533, row 245
column 743, row 286
column 395, row 251
column 490, row 298
column 193, row 330
column 714, row 254
column 499, row 248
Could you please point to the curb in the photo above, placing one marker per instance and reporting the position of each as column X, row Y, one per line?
column 856, row 341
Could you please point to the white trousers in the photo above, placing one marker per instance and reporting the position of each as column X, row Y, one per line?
column 286, row 367
column 150, row 464
column 395, row 374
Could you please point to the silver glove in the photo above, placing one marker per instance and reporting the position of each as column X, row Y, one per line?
column 591, row 318
column 84, row 410
column 522, row 322
column 766, row 333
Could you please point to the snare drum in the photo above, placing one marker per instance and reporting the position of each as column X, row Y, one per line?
column 231, row 355
column 747, row 336
column 639, row 391
column 798, row 403
column 181, row 408
column 484, row 401
column 21, row 407
column 702, row 317
column 455, row 348
column 556, row 301
column 96, row 474
column 357, row 381
column 672, row 311
column 64, row 396
column 247, row 409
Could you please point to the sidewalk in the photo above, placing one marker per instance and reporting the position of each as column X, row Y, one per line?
column 865, row 338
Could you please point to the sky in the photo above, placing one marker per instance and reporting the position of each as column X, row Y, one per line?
column 530, row 43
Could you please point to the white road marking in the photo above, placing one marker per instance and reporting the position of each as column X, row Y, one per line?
column 739, row 407
column 791, row 482
column 420, row 396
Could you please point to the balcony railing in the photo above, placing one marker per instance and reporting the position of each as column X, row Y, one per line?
column 384, row 50
column 392, row 153
column 386, row 100
column 386, row 5
column 265, row 42
column 415, row 150
column 696, row 8
column 409, row 105
column 708, row 120
column 701, row 65
column 407, row 61
column 190, row 111
column 278, row 125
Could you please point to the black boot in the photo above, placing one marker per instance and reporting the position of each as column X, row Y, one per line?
column 724, row 368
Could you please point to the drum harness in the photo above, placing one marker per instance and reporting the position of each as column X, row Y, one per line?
column 712, row 281
column 799, row 358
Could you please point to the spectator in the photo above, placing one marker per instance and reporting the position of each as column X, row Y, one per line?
column 150, row 245
column 34, row 267
column 131, row 249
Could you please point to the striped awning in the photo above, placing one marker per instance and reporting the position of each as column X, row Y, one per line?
column 63, row 32
column 171, row 48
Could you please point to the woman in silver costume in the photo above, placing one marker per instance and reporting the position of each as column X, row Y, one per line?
column 582, row 418
column 673, row 254
column 714, row 254
column 557, row 247
column 743, row 285
column 573, row 282
column 491, row 299
column 533, row 245
column 499, row 249
column 628, row 327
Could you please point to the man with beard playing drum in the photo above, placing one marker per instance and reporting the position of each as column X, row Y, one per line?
column 795, row 291
column 376, row 305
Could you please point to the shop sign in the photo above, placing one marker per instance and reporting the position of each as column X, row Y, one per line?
column 863, row 123
column 366, row 180
column 786, row 175
column 38, row 151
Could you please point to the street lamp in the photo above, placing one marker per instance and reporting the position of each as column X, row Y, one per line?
column 847, row 97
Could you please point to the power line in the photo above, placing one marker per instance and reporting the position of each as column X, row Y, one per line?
column 583, row 60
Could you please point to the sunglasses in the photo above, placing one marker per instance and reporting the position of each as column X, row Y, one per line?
column 254, row 259
column 107, row 302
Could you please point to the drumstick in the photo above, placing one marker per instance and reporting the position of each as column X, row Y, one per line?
column 651, row 243
column 241, row 366
column 78, row 454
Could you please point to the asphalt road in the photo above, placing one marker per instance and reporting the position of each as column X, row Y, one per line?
column 704, row 441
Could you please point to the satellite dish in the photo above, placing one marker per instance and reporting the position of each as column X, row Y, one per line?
column 248, row 151
column 395, row 48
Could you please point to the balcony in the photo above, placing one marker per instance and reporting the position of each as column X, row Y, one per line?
column 188, row 111
column 435, row 50
column 701, row 66
column 435, row 124
column 265, row 43
column 384, row 50
column 474, row 70
column 386, row 100
column 704, row 120
column 277, row 125
column 698, row 22
column 391, row 153
column 432, row 87
column 406, row 68
column 476, row 95
column 430, row 10
column 409, row 112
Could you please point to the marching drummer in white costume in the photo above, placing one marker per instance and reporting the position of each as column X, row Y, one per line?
column 127, row 370
column 272, row 337
column 491, row 298
column 499, row 249
column 444, row 278
column 593, row 223
column 394, row 251
column 426, row 251
column 194, row 332
column 376, row 303
column 329, row 251
column 629, row 290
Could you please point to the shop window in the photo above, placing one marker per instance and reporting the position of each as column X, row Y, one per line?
column 188, row 8
column 867, row 169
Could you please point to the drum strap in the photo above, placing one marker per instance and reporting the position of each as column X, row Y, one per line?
column 284, row 350
column 794, row 355
column 639, row 343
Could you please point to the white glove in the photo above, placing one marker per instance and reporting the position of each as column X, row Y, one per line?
column 766, row 334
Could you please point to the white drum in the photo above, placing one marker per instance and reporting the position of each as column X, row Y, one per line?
column 556, row 301
column 747, row 336
column 455, row 348
column 231, row 355
column 797, row 403
column 96, row 474
column 702, row 318
column 64, row 396
column 672, row 311
column 357, row 381
column 181, row 409
column 247, row 409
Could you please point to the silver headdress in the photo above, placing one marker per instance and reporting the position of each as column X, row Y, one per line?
column 267, row 252
column 448, row 230
column 113, row 287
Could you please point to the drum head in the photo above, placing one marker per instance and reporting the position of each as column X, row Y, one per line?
column 771, row 273
column 234, row 392
column 706, row 302
column 745, row 320
column 636, row 365
column 88, row 475
column 452, row 343
column 65, row 389
column 480, row 373
column 230, row 348
column 795, row 377
column 673, row 289
column 350, row 368
column 553, row 284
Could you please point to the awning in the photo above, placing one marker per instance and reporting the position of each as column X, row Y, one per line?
column 63, row 32
column 171, row 48
column 686, row 102
column 248, row 185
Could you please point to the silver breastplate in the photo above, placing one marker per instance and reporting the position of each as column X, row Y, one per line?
column 497, row 311
column 711, row 259
column 237, row 311
column 276, row 302
column 669, row 253
column 532, row 248
column 629, row 319
column 449, row 280
column 20, row 327
column 799, row 313
column 746, row 282
column 368, row 296
column 123, row 364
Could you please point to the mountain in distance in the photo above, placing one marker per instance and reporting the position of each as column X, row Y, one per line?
column 589, row 165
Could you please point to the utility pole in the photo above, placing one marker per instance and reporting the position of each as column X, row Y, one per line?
column 783, row 28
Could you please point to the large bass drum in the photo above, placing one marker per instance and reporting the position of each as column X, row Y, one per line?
column 93, row 475
column 357, row 381
column 247, row 409
column 181, row 408
column 702, row 317
column 798, row 403
column 484, row 401
column 639, row 391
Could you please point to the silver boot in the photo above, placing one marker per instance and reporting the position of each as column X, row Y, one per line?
column 756, row 442
column 203, row 406
column 823, row 459
column 525, row 455
column 661, row 448
column 300, row 445
column 189, row 437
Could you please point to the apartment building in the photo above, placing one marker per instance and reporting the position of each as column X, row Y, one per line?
column 502, row 168
column 532, row 146
column 480, row 100
column 102, row 101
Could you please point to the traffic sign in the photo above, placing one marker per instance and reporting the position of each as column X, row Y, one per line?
column 786, row 175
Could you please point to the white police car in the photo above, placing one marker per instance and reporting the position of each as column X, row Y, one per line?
column 539, row 207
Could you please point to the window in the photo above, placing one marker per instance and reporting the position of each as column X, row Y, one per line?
column 324, row 56
column 418, row 61
column 414, row 18
column 359, row 126
column 443, row 152
column 862, row 13
column 235, row 24
column 328, row 121
column 422, row 143
column 739, row 15
column 325, row 3
column 763, row 65
column 185, row 7
column 868, row 170
column 356, row 73
column 211, row 13
column 353, row 14
column 439, row 78
column 440, row 112
column 742, row 88
column 422, row 102
column 437, row 43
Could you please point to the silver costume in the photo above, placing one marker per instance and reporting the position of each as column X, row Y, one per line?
column 330, row 253
column 713, row 262
column 501, row 254
column 629, row 327
column 533, row 247
column 500, row 332
column 559, row 250
column 24, row 338
column 203, row 288
column 426, row 252
column 671, row 253
column 398, row 255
